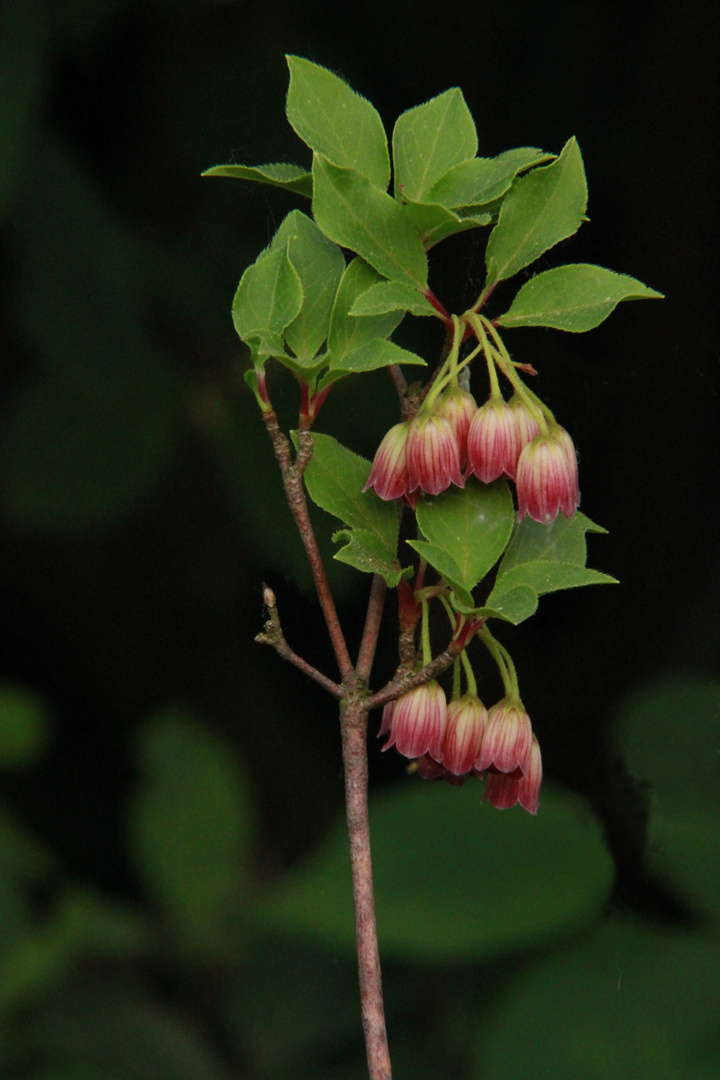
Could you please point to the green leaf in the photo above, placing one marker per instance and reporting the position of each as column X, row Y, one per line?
column 337, row 122
column 367, row 552
column 319, row 265
column 24, row 726
column 428, row 140
column 545, row 577
column 632, row 1001
column 349, row 332
column 434, row 222
column 545, row 206
column 576, row 297
column 392, row 296
column 335, row 477
column 514, row 606
column 376, row 354
column 448, row 569
column 290, row 177
column 355, row 214
column 189, row 831
column 483, row 180
column 268, row 298
column 472, row 525
column 432, row 846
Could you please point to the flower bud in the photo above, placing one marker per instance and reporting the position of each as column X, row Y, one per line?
column 507, row 739
column 547, row 477
column 502, row 791
column 417, row 722
column 493, row 445
column 433, row 458
column 466, row 720
column 458, row 407
column 389, row 475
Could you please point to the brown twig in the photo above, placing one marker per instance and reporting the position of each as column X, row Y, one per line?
column 368, row 645
column 273, row 635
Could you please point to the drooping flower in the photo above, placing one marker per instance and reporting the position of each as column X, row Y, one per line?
column 547, row 477
column 503, row 791
column 429, row 769
column 493, row 444
column 507, row 739
column 433, row 458
column 389, row 475
column 417, row 722
column 458, row 406
column 466, row 720
column 527, row 424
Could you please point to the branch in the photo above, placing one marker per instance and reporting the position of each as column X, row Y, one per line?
column 273, row 635
column 404, row 680
column 295, row 493
column 376, row 603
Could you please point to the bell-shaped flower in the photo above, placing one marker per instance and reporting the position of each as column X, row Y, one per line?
column 493, row 444
column 466, row 720
column 507, row 739
column 389, row 475
column 458, row 406
column 503, row 791
column 547, row 477
column 417, row 722
column 433, row 458
column 526, row 422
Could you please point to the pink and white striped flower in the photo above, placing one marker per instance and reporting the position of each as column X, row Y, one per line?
column 417, row 721
column 433, row 458
column 502, row 791
column 547, row 477
column 507, row 740
column 493, row 444
column 389, row 474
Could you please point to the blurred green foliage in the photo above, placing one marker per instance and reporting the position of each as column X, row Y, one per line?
column 494, row 927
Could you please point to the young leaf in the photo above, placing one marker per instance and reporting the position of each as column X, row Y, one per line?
column 290, row 177
column 435, row 222
column 354, row 213
column 472, row 525
column 545, row 206
column 268, row 298
column 335, row 477
column 430, row 139
column 482, row 180
column 337, row 122
column 349, row 332
column 366, row 552
column 319, row 264
column 576, row 297
column 392, row 296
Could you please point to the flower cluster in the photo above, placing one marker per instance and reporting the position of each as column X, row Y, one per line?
column 451, row 741
column 456, row 439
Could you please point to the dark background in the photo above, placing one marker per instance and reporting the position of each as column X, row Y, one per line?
column 132, row 549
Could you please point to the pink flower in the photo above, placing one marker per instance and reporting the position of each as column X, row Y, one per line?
column 466, row 719
column 547, row 477
column 389, row 475
column 493, row 445
column 433, row 458
column 459, row 407
column 527, row 424
column 429, row 769
column 507, row 740
column 502, row 791
column 417, row 722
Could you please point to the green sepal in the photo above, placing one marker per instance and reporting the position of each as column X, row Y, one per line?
column 429, row 140
column 335, row 477
column 290, row 177
column 542, row 208
column 484, row 180
column 576, row 297
column 356, row 214
column 337, row 122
